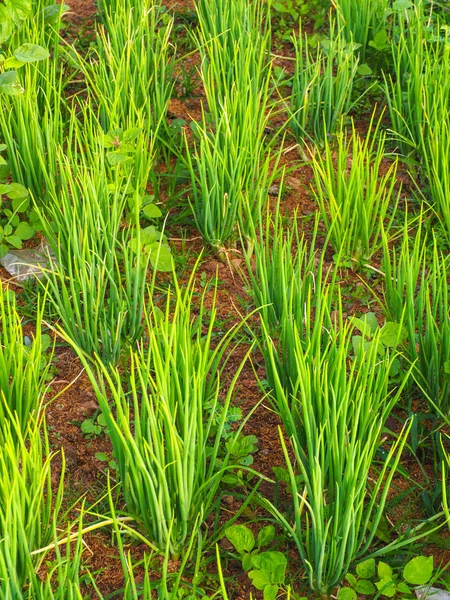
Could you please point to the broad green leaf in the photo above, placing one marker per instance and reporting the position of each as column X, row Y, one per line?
column 20, row 205
column 270, row 592
column 281, row 474
column 149, row 235
column 241, row 537
column 266, row 535
column 273, row 564
column 366, row 569
column 387, row 587
column 5, row 169
column 402, row 588
column 151, row 211
column 384, row 570
column 12, row 63
column 418, row 571
column 101, row 420
column 52, row 13
column 101, row 456
column 402, row 5
column 131, row 134
column 380, row 40
column 29, row 53
column 116, row 158
column 87, row 427
column 392, row 334
column 46, row 341
column 147, row 199
column 259, row 579
column 4, row 188
column 17, row 191
column 346, row 593
column 351, row 579
column 359, row 345
column 161, row 257
column 9, row 84
column 25, row 231
column 14, row 240
column 365, row 587
column 247, row 560
column 6, row 25
column 364, row 70
column 365, row 324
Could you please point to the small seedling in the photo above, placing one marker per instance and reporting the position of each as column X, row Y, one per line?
column 389, row 336
column 94, row 426
column 371, row 579
column 267, row 569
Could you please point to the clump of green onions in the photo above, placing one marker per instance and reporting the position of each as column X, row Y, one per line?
column 167, row 417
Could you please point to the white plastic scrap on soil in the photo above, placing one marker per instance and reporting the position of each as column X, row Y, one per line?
column 23, row 264
column 431, row 593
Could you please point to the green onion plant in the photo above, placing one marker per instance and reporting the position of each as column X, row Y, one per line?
column 416, row 290
column 333, row 413
column 233, row 163
column 291, row 284
column 130, row 74
column 361, row 21
column 29, row 504
column 356, row 196
column 98, row 281
column 234, row 39
column 32, row 123
column 231, row 171
column 23, row 368
column 418, row 90
column 166, row 419
column 286, row 267
column 323, row 85
column 435, row 146
column 32, row 126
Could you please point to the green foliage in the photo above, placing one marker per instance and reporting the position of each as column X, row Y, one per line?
column 165, row 444
column 231, row 167
column 23, row 368
column 286, row 14
column 98, row 283
column 416, row 293
column 390, row 335
column 356, row 196
column 363, row 23
column 31, row 122
column 371, row 578
column 28, row 503
column 286, row 272
column 420, row 76
column 333, row 412
column 419, row 102
column 93, row 426
column 266, row 569
column 322, row 86
column 14, row 202
column 12, row 15
column 130, row 75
